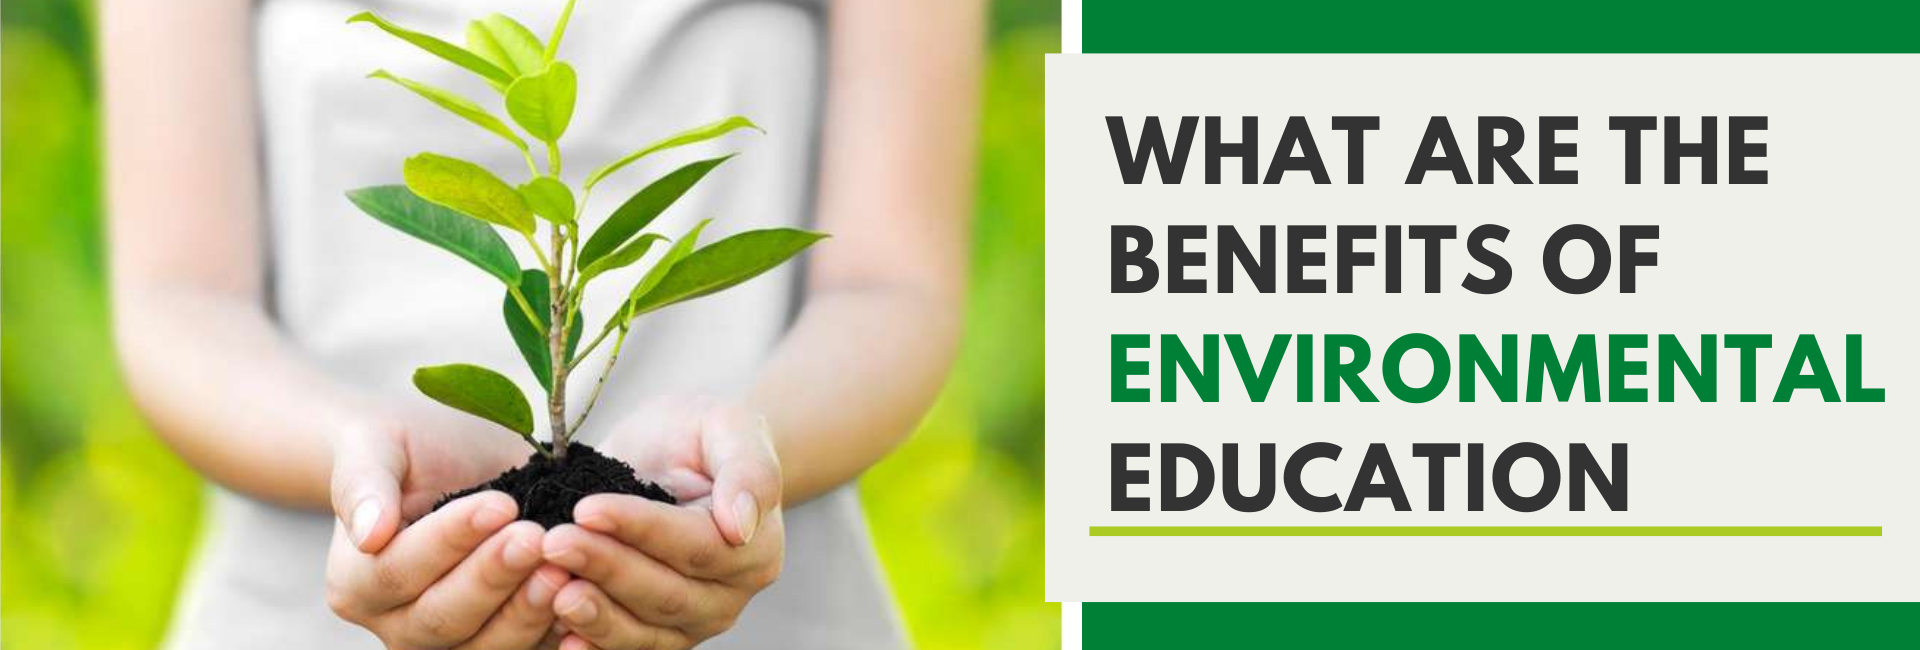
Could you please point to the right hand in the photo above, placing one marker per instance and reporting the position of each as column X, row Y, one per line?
column 466, row 576
column 390, row 471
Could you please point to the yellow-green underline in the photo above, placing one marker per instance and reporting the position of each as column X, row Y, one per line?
column 1484, row 531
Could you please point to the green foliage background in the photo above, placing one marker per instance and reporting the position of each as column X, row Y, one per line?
column 97, row 519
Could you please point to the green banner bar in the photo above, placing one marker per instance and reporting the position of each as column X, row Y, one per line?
column 1484, row 531
column 1120, row 626
column 1501, row 26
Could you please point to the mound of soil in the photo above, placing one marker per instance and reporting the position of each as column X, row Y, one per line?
column 547, row 490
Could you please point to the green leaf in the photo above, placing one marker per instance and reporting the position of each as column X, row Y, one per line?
column 479, row 391
column 643, row 207
column 681, row 249
column 457, row 105
column 469, row 189
column 726, row 263
column 626, row 256
column 543, row 103
column 451, row 53
column 526, row 336
column 506, row 43
column 700, row 133
column 549, row 198
column 473, row 241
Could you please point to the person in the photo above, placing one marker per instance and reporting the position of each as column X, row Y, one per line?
column 268, row 330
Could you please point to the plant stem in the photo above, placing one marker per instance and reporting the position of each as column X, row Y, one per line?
column 531, row 167
column 557, row 354
column 602, row 336
column 601, row 382
column 559, row 298
column 548, row 453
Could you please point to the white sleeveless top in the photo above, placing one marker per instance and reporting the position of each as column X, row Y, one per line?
column 369, row 304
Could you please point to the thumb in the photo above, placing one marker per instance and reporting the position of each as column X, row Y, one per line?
column 367, row 466
column 739, row 454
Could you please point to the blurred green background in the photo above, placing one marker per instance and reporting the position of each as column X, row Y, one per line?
column 97, row 519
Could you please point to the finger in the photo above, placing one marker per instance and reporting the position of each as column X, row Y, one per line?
column 746, row 473
column 648, row 589
column 589, row 615
column 426, row 550
column 459, row 603
column 526, row 619
column 367, row 466
column 684, row 538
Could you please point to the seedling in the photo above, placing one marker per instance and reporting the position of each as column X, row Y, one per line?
column 463, row 208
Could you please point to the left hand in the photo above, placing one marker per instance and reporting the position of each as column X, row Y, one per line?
column 658, row 576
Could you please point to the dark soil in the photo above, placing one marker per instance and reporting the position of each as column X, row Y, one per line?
column 547, row 490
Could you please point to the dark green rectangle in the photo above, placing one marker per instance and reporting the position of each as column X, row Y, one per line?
column 1501, row 26
column 1121, row 626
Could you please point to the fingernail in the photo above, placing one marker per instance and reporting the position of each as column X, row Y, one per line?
column 365, row 516
column 489, row 518
column 521, row 553
column 583, row 611
column 746, row 511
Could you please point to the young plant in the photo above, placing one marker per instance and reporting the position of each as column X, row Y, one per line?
column 462, row 207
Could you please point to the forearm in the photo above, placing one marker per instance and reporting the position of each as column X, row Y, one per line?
column 852, row 380
column 198, row 351
column 882, row 319
column 219, row 385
